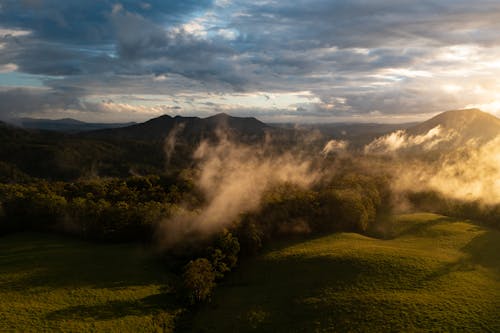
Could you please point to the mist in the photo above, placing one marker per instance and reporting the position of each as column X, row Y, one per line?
column 233, row 178
column 171, row 140
column 335, row 147
column 435, row 161
column 470, row 173
column 400, row 141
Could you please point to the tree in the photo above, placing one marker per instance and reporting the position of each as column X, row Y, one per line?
column 199, row 280
column 224, row 254
column 250, row 235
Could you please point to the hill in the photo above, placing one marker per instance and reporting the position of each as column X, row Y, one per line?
column 433, row 274
column 445, row 132
column 67, row 125
column 51, row 283
column 189, row 129
column 470, row 124
column 64, row 156
column 138, row 149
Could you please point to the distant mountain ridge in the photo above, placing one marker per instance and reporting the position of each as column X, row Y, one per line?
column 68, row 125
column 190, row 128
column 117, row 152
column 141, row 148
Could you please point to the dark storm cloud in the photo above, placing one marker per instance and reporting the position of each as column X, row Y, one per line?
column 154, row 51
column 86, row 22
column 350, row 51
column 372, row 24
column 22, row 101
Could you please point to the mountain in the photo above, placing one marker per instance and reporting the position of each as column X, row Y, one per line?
column 117, row 152
column 468, row 124
column 68, row 125
column 192, row 129
column 140, row 148
column 445, row 132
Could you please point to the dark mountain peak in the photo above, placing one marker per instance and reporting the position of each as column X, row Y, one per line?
column 193, row 129
column 220, row 115
column 225, row 119
column 162, row 118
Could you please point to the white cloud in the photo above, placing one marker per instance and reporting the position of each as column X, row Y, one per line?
column 492, row 107
column 8, row 68
column 13, row 32
column 229, row 34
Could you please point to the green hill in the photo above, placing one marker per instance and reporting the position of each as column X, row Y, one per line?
column 434, row 274
column 49, row 283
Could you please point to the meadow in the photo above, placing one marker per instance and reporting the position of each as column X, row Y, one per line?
column 430, row 273
column 55, row 283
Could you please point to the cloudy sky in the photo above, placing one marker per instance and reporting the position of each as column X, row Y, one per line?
column 301, row 61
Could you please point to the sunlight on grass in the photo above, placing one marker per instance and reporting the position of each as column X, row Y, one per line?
column 434, row 273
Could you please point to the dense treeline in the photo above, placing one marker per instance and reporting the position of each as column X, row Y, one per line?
column 113, row 209
column 126, row 209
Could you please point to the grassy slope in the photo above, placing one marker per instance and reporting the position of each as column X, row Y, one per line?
column 435, row 274
column 51, row 283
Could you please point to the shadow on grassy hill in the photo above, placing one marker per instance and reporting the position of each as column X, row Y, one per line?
column 484, row 250
column 116, row 309
column 54, row 262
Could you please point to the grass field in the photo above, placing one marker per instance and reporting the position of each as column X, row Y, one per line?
column 51, row 283
column 434, row 274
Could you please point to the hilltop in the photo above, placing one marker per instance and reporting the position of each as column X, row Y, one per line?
column 446, row 132
column 468, row 124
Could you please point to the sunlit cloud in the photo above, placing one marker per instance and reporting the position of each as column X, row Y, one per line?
column 8, row 68
column 13, row 32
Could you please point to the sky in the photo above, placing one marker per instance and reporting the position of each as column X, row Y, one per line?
column 280, row 61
